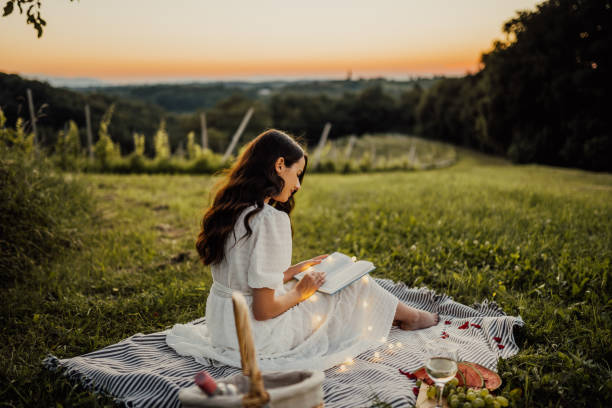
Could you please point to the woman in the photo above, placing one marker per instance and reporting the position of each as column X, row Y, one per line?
column 246, row 239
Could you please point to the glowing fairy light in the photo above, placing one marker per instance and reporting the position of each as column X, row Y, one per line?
column 353, row 258
column 342, row 368
column 369, row 328
column 398, row 344
column 365, row 303
column 390, row 346
column 348, row 361
column 313, row 298
column 377, row 354
column 318, row 319
column 365, row 279
column 383, row 339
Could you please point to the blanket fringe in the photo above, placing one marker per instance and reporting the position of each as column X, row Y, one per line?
column 54, row 364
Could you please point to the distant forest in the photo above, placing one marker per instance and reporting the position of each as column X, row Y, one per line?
column 540, row 97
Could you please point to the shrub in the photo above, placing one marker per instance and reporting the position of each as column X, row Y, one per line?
column 41, row 212
column 105, row 150
column 68, row 148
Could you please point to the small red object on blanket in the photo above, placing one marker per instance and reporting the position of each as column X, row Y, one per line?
column 206, row 383
column 408, row 374
column 464, row 326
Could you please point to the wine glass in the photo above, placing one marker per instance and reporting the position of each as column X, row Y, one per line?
column 441, row 364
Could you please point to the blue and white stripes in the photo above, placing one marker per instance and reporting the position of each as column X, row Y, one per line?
column 142, row 371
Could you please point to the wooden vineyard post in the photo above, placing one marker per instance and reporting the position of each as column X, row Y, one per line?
column 32, row 115
column 412, row 154
column 349, row 147
column 245, row 121
column 89, row 135
column 322, row 141
column 204, row 132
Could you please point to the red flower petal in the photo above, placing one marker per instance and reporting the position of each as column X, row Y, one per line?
column 497, row 339
column 408, row 374
column 476, row 325
column 447, row 322
column 500, row 346
column 464, row 326
column 416, row 391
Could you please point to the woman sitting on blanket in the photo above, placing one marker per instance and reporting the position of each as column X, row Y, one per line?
column 246, row 239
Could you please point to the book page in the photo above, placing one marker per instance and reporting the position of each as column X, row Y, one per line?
column 340, row 270
column 348, row 275
column 330, row 265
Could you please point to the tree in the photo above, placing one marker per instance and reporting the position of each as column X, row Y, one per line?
column 32, row 11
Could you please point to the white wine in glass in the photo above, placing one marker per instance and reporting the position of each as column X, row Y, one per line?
column 441, row 365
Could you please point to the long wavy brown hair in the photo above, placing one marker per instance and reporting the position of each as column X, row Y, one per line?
column 249, row 181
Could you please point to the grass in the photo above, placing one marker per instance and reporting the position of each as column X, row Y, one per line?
column 536, row 239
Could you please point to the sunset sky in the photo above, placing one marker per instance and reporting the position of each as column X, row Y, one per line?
column 147, row 41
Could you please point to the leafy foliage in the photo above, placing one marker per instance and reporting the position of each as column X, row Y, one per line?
column 39, row 209
column 32, row 12
column 541, row 95
column 160, row 140
column 105, row 150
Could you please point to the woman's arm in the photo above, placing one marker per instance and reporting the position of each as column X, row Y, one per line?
column 266, row 305
column 300, row 267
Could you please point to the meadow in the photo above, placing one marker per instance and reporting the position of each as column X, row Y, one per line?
column 535, row 239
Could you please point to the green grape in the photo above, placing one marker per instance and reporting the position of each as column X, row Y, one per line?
column 516, row 393
column 496, row 404
column 454, row 382
column 454, row 403
column 461, row 396
column 484, row 392
column 461, row 389
column 467, row 404
column 478, row 403
column 489, row 399
column 503, row 401
column 419, row 382
column 470, row 395
column 431, row 392
column 452, row 390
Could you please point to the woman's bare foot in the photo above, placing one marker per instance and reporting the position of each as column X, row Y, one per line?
column 420, row 320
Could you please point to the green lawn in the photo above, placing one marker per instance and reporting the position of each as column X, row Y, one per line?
column 536, row 239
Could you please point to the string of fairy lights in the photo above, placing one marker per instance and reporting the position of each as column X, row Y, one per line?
column 390, row 348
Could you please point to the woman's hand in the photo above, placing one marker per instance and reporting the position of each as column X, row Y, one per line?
column 309, row 284
column 302, row 266
column 267, row 306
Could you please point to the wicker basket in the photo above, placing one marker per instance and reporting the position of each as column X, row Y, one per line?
column 292, row 389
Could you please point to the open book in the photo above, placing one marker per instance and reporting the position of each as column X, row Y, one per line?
column 340, row 271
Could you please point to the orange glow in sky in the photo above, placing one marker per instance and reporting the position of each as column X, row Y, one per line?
column 123, row 41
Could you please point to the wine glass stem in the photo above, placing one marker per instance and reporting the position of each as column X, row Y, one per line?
column 440, row 390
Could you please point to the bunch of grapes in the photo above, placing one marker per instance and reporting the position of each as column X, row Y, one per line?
column 463, row 397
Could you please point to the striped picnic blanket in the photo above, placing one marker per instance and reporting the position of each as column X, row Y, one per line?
column 142, row 371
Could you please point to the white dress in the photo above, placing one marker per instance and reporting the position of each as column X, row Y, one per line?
column 318, row 333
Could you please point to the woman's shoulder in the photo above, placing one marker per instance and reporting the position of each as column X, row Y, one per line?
column 267, row 215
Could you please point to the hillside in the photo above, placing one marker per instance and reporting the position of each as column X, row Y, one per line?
column 534, row 239
column 182, row 98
